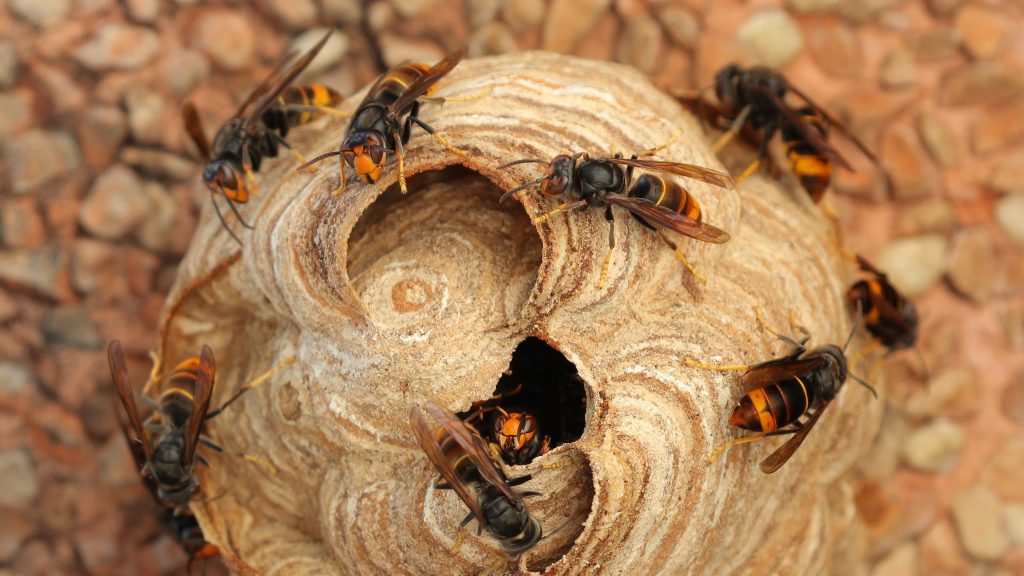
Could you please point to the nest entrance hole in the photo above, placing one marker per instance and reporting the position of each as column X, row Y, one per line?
column 425, row 202
column 542, row 382
column 453, row 242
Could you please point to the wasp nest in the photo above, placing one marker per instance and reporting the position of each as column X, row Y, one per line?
column 388, row 300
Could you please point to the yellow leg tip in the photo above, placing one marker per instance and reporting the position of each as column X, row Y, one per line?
column 261, row 461
column 401, row 174
column 748, row 172
column 718, row 451
column 794, row 323
column 302, row 160
column 829, row 211
column 721, row 143
column 459, row 536
column 154, row 372
column 448, row 146
column 475, row 96
column 843, row 250
column 762, row 323
column 604, row 270
column 660, row 147
column 560, row 464
column 693, row 269
column 253, row 185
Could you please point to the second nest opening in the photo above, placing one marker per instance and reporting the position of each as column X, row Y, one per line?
column 538, row 404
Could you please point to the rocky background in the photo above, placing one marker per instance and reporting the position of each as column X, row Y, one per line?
column 100, row 195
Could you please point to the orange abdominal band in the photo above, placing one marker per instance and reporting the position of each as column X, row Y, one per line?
column 692, row 208
column 764, row 412
column 179, row 391
column 189, row 365
column 806, row 165
column 322, row 95
column 873, row 315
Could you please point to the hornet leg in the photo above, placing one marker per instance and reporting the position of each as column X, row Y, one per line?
column 735, row 442
column 154, row 373
column 611, row 247
column 682, row 258
column 794, row 325
column 660, row 147
column 568, row 206
column 762, row 153
column 205, row 441
column 250, row 385
column 875, row 343
column 746, row 440
column 312, row 169
column 400, row 154
column 430, row 130
column 443, row 99
column 734, row 129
